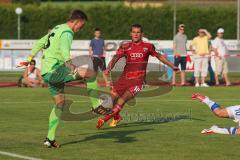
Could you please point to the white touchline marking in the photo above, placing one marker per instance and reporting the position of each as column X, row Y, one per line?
column 18, row 156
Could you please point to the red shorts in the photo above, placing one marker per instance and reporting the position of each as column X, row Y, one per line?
column 121, row 86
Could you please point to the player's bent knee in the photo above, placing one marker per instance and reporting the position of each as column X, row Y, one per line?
column 114, row 95
column 86, row 73
column 59, row 99
column 120, row 101
column 217, row 112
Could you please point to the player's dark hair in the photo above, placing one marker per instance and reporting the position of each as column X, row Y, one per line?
column 136, row 26
column 97, row 29
column 78, row 14
column 33, row 62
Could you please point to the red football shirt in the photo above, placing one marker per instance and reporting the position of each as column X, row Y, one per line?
column 136, row 55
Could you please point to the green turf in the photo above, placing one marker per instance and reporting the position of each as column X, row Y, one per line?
column 24, row 116
column 10, row 76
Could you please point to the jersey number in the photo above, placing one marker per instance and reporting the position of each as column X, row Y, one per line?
column 48, row 41
column 237, row 112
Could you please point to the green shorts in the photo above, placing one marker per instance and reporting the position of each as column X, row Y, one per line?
column 57, row 78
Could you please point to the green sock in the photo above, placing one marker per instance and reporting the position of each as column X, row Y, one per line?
column 53, row 123
column 92, row 89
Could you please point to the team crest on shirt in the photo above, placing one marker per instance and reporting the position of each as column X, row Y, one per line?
column 145, row 49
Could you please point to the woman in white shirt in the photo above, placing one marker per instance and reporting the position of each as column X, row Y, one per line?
column 32, row 76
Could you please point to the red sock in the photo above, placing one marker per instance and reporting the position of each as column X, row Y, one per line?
column 116, row 109
column 117, row 116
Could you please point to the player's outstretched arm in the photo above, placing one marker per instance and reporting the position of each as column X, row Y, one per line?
column 38, row 46
column 167, row 62
column 112, row 63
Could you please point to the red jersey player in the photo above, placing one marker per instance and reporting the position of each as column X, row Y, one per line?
column 132, row 79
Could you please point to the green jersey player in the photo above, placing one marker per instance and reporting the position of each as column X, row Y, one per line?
column 57, row 67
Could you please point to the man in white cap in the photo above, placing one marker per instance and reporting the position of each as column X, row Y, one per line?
column 220, row 50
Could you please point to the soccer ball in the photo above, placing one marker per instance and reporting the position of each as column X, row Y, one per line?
column 84, row 66
column 106, row 101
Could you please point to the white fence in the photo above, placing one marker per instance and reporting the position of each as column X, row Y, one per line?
column 14, row 51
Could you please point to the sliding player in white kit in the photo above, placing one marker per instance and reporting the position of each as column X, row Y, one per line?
column 232, row 112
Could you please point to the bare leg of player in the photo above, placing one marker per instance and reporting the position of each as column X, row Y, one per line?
column 219, row 112
column 116, row 109
column 114, row 97
column 216, row 108
column 105, row 79
column 117, row 117
column 85, row 73
column 215, row 129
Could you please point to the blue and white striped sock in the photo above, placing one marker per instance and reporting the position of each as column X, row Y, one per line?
column 232, row 130
column 211, row 104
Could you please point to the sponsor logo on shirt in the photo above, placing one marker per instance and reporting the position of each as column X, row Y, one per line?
column 136, row 55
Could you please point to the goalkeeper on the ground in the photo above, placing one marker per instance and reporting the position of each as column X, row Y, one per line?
column 232, row 112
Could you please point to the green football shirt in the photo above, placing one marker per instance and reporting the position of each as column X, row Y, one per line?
column 56, row 47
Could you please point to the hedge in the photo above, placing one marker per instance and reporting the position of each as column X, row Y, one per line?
column 115, row 20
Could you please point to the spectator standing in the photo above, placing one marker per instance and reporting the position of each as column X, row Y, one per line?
column 180, row 53
column 220, row 50
column 200, row 50
column 97, row 51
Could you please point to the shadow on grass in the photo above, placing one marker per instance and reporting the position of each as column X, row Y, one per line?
column 156, row 121
column 124, row 136
column 118, row 136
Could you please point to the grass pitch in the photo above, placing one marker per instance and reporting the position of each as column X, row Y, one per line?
column 166, row 127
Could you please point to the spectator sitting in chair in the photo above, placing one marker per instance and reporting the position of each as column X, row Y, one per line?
column 32, row 76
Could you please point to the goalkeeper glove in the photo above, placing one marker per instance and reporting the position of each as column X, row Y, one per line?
column 24, row 64
column 29, row 58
